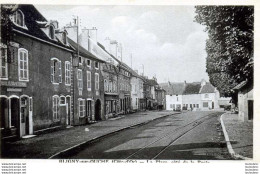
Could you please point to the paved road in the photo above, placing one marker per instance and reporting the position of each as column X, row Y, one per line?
column 190, row 135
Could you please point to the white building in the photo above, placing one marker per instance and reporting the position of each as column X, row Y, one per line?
column 191, row 96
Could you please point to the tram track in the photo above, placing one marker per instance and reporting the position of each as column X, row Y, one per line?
column 181, row 131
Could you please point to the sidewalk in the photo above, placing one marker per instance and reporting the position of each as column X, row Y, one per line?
column 46, row 145
column 240, row 135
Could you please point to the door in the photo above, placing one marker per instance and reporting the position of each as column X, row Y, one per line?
column 68, row 107
column 212, row 105
column 24, row 116
column 14, row 114
column 250, row 109
column 98, row 110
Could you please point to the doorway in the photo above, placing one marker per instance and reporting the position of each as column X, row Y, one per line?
column 250, row 109
column 68, row 105
column 14, row 114
column 97, row 110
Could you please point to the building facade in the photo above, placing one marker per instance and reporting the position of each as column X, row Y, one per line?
column 35, row 74
column 110, row 75
column 192, row 96
column 137, row 93
column 245, row 93
column 88, row 87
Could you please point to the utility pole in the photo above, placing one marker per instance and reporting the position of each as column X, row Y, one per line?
column 131, row 62
column 143, row 69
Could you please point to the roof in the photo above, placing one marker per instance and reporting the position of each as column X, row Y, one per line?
column 32, row 18
column 173, row 88
column 208, row 88
column 83, row 51
column 151, row 82
column 240, row 85
column 192, row 88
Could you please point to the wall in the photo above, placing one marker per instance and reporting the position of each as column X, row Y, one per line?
column 243, row 97
column 39, row 86
column 192, row 99
column 172, row 99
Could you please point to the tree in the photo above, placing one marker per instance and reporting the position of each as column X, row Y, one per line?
column 229, row 46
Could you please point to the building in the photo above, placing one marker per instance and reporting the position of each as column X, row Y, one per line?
column 160, row 98
column 110, row 75
column 174, row 93
column 88, row 87
column 124, row 87
column 137, row 93
column 35, row 74
column 149, row 92
column 192, row 96
column 245, row 92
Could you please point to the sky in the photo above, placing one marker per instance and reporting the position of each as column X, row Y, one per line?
column 164, row 40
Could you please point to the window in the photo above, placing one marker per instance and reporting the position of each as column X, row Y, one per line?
column 62, row 100
column 114, row 87
column 3, row 64
column 80, row 80
column 89, row 80
column 67, row 73
column 23, row 64
column 81, row 103
column 97, row 81
column 80, row 60
column 105, row 85
column 89, row 108
column 190, row 105
column 55, row 107
column 96, row 65
column 18, row 18
column 52, row 32
column 197, row 105
column 64, row 38
column 110, row 86
column 205, row 104
column 30, row 104
column 206, row 95
column 88, row 63
column 56, row 73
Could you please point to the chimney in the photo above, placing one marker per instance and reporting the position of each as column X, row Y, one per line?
column 83, row 39
column 72, row 32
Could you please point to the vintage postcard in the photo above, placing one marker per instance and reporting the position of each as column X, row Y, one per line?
column 134, row 84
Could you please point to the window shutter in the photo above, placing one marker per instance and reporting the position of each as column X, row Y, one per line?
column 52, row 71
column 60, row 73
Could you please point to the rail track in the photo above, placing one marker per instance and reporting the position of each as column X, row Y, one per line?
column 180, row 131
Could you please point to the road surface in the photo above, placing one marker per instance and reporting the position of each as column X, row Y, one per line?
column 191, row 135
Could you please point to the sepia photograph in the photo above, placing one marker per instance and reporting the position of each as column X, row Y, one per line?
column 127, row 82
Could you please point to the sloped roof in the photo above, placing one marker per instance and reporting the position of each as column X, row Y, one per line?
column 240, row 85
column 173, row 88
column 192, row 88
column 208, row 88
column 152, row 82
column 31, row 19
column 83, row 51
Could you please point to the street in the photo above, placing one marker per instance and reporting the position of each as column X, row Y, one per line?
column 189, row 135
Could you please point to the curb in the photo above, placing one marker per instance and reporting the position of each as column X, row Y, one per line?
column 229, row 146
column 69, row 150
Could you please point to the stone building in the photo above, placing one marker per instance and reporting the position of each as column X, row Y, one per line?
column 35, row 73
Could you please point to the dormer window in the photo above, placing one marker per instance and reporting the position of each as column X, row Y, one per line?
column 52, row 32
column 18, row 18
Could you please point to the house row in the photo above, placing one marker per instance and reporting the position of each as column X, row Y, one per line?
column 54, row 77
column 193, row 96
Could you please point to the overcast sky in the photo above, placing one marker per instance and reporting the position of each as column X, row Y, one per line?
column 165, row 39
